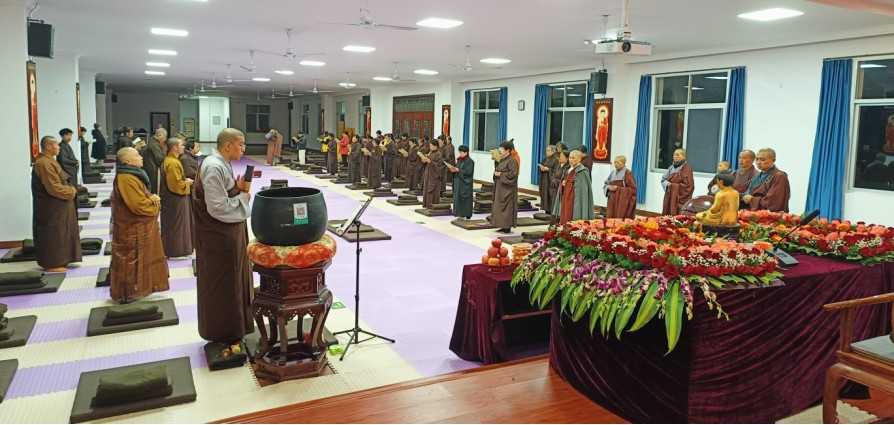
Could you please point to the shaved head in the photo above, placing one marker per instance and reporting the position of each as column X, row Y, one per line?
column 227, row 136
column 47, row 141
column 769, row 152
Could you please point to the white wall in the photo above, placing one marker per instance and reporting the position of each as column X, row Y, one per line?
column 56, row 98
column 211, row 108
column 15, row 163
column 88, row 100
column 279, row 116
column 382, row 102
column 133, row 108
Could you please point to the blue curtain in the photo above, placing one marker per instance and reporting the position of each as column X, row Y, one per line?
column 826, row 189
column 735, row 117
column 641, row 143
column 467, row 111
column 588, row 121
column 504, row 112
column 541, row 106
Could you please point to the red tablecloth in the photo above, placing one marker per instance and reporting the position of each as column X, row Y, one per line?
column 477, row 335
column 766, row 363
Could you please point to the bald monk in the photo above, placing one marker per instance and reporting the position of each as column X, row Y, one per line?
column 153, row 156
column 220, row 206
column 620, row 189
column 575, row 198
column 373, row 156
column 746, row 171
column 55, row 225
column 138, row 264
column 678, row 184
column 434, row 174
column 175, row 212
column 557, row 174
column 505, row 207
column 769, row 190
column 547, row 166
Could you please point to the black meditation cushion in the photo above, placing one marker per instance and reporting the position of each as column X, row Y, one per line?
column 82, row 189
column 28, row 247
column 91, row 244
column 543, row 216
column 140, row 312
column 6, row 333
column 106, row 202
column 440, row 207
column 21, row 280
column 407, row 198
column 134, row 385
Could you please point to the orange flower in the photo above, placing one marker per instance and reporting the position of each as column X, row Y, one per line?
column 764, row 246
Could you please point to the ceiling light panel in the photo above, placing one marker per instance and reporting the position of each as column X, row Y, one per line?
column 308, row 62
column 359, row 49
column 150, row 72
column 495, row 61
column 768, row 15
column 162, row 52
column 439, row 23
column 425, row 72
column 170, row 31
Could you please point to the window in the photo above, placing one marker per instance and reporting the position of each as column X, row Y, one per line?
column 485, row 119
column 305, row 119
column 257, row 118
column 689, row 113
column 565, row 118
column 873, row 132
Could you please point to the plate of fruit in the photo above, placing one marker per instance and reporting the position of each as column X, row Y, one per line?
column 497, row 257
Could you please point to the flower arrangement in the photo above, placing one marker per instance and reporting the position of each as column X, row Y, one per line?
column 842, row 239
column 609, row 268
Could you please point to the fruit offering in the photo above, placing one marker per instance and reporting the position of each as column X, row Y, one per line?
column 497, row 255
column 520, row 251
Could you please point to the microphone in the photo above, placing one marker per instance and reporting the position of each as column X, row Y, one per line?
column 784, row 258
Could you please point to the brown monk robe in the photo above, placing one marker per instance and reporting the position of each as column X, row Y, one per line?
column 402, row 144
column 220, row 205
column 138, row 265
column 505, row 206
column 746, row 171
column 434, row 175
column 420, row 167
column 190, row 161
column 678, row 184
column 556, row 175
column 175, row 211
column 770, row 189
column 546, row 167
column 412, row 165
column 55, row 225
column 332, row 156
column 620, row 189
column 448, row 153
column 373, row 166
column 364, row 160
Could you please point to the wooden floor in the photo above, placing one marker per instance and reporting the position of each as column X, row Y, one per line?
column 526, row 391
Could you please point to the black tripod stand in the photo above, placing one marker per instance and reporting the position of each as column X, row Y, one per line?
column 357, row 330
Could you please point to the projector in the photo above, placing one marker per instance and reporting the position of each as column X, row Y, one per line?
column 623, row 47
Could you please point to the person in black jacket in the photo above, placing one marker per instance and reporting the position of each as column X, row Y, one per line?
column 67, row 158
column 99, row 144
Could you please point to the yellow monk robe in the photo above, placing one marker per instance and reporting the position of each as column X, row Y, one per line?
column 176, row 232
column 724, row 211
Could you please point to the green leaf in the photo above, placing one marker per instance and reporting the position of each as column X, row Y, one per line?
column 594, row 317
column 647, row 309
column 567, row 293
column 625, row 313
column 673, row 318
column 551, row 290
column 609, row 316
column 583, row 306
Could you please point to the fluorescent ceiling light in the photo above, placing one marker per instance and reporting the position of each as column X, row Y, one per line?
column 347, row 85
column 308, row 62
column 382, row 78
column 495, row 61
column 425, row 72
column 284, row 72
column 440, row 23
column 170, row 31
column 358, row 49
column 158, row 64
column 872, row 65
column 261, row 79
column 162, row 52
column 773, row 14
column 148, row 72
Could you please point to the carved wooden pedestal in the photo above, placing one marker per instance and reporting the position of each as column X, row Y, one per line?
column 287, row 294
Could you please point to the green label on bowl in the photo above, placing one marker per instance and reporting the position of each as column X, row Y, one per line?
column 299, row 213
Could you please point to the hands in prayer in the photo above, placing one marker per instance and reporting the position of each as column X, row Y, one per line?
column 243, row 185
column 543, row 168
column 452, row 168
column 747, row 198
column 189, row 181
column 497, row 173
column 155, row 199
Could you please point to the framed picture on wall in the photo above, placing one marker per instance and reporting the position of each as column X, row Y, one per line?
column 78, row 106
column 34, row 137
column 602, row 129
column 445, row 120
column 159, row 119
column 367, row 121
column 189, row 127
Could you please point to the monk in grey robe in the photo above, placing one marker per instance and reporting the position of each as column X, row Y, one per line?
column 463, row 178
column 67, row 158
column 175, row 211
column 620, row 190
column 138, row 266
column 746, row 171
column 546, row 167
column 434, row 173
column 575, row 198
column 55, row 225
column 505, row 206
column 220, row 205
column 153, row 156
column 678, row 184
column 770, row 189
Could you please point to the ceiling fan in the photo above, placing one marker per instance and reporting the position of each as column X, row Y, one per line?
column 289, row 52
column 251, row 62
column 228, row 78
column 467, row 67
column 395, row 76
column 275, row 96
column 367, row 22
column 316, row 90
column 205, row 90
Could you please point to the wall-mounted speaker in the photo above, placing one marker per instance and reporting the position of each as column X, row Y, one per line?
column 40, row 39
column 114, row 98
column 100, row 87
column 599, row 82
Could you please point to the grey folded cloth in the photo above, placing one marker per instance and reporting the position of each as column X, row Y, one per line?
column 21, row 280
column 131, row 386
column 6, row 334
column 276, row 183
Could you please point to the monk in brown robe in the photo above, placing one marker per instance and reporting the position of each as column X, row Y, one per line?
column 505, row 207
column 678, row 184
column 154, row 154
column 546, row 167
column 620, row 189
column 354, row 159
column 434, row 174
column 770, row 189
column 423, row 147
column 746, row 171
column 332, row 156
column 373, row 165
column 138, row 265
column 220, row 205
column 448, row 153
column 575, row 198
column 402, row 144
column 175, row 212
column 190, row 159
column 413, row 165
column 55, row 225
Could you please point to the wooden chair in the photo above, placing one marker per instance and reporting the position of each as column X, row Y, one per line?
column 869, row 362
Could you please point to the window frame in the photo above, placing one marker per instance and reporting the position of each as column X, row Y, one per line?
column 473, row 130
column 850, row 162
column 564, row 108
column 256, row 115
column 653, row 125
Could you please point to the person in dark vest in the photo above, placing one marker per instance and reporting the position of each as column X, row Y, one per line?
column 463, row 179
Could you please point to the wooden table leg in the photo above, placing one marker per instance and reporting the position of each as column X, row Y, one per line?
column 264, row 346
column 283, row 339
